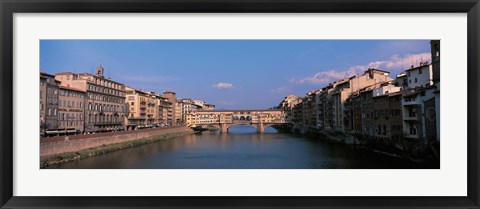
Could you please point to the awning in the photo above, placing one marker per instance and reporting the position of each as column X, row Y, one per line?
column 51, row 132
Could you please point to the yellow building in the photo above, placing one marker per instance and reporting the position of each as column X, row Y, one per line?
column 142, row 109
column 163, row 108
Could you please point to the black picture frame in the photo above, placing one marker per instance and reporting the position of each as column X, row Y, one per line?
column 9, row 7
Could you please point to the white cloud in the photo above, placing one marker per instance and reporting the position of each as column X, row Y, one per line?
column 223, row 85
column 395, row 62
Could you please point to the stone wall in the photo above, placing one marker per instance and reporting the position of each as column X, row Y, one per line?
column 56, row 145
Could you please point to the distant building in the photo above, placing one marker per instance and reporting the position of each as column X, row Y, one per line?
column 309, row 111
column 287, row 104
column 435, row 50
column 199, row 103
column 418, row 109
column 297, row 116
column 402, row 80
column 162, row 106
column 188, row 106
column 387, row 116
column 141, row 108
column 208, row 106
column 420, row 76
column 172, row 115
column 321, row 102
column 435, row 53
column 167, row 110
column 386, row 88
column 341, row 90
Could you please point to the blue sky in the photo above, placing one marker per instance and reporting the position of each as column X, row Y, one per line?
column 232, row 74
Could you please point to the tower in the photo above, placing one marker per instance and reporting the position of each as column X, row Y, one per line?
column 100, row 71
column 435, row 52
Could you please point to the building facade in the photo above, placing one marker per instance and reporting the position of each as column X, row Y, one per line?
column 341, row 90
column 287, row 105
column 105, row 100
column 172, row 98
column 49, row 88
column 71, row 109
column 421, row 76
column 140, row 108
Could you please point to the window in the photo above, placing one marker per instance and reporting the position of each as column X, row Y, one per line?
column 415, row 80
column 413, row 131
column 419, row 71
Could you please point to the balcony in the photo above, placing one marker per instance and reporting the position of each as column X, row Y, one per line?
column 411, row 102
column 108, row 123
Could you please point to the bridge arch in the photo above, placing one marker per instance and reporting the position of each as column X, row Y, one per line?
column 224, row 119
column 241, row 124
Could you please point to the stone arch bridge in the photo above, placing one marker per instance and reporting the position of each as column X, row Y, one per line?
column 224, row 119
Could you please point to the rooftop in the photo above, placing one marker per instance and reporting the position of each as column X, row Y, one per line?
column 71, row 88
column 422, row 64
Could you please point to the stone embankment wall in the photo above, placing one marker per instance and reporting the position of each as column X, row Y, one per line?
column 57, row 145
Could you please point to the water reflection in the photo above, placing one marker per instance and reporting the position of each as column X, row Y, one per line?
column 241, row 148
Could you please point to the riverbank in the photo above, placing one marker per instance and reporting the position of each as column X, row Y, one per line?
column 401, row 149
column 46, row 161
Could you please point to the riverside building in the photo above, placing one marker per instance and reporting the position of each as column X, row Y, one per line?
column 104, row 99
column 71, row 110
column 140, row 108
column 48, row 104
column 172, row 111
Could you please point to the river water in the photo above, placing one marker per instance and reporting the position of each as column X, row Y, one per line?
column 241, row 148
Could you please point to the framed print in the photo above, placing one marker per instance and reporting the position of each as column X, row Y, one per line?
column 239, row 104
